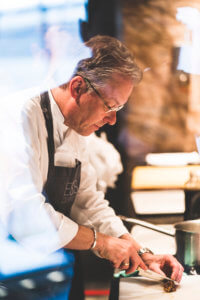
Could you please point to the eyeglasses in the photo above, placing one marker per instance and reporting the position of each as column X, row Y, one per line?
column 108, row 107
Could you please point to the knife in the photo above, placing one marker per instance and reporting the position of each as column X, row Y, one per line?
column 154, row 276
column 144, row 273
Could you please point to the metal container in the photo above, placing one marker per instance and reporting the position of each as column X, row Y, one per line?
column 188, row 243
column 187, row 235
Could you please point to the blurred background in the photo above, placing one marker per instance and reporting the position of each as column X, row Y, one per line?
column 41, row 41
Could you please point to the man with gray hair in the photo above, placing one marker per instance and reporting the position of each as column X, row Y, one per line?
column 55, row 124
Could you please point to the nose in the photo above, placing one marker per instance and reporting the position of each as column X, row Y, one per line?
column 111, row 118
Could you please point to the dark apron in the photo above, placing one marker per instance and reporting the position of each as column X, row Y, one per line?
column 61, row 188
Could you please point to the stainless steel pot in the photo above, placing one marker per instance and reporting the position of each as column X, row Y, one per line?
column 187, row 235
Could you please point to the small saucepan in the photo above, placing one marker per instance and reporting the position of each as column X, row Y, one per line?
column 187, row 235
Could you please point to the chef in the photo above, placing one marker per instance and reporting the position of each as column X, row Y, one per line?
column 55, row 124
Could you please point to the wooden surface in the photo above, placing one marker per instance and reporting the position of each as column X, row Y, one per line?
column 150, row 177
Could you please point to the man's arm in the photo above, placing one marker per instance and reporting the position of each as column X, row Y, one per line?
column 83, row 239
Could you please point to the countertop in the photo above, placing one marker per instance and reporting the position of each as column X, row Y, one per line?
column 132, row 288
column 140, row 288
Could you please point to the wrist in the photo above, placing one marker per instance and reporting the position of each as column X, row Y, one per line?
column 102, row 242
column 145, row 253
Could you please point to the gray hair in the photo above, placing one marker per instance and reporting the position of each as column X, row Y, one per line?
column 108, row 56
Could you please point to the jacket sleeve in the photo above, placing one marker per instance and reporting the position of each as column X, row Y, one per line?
column 91, row 208
column 24, row 213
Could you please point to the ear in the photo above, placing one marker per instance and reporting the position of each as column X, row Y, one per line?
column 77, row 87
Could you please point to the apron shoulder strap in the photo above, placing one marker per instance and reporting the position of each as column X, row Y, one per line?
column 46, row 109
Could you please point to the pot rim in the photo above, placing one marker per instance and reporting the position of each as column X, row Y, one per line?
column 191, row 226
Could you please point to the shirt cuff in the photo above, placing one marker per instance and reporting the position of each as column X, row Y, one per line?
column 67, row 231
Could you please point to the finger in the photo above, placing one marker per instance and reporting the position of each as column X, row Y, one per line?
column 176, row 268
column 117, row 265
column 134, row 264
column 125, row 265
column 156, row 268
column 143, row 265
column 180, row 274
column 132, row 268
column 177, row 273
column 120, row 264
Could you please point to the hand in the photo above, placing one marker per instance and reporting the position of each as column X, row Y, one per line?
column 121, row 252
column 165, row 265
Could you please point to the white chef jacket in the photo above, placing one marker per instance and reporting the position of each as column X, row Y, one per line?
column 89, row 209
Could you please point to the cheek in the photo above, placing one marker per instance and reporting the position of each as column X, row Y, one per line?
column 93, row 114
column 91, row 111
column 91, row 119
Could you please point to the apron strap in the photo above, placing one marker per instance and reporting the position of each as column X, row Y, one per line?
column 46, row 109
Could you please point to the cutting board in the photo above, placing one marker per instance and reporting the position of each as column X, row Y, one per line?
column 140, row 288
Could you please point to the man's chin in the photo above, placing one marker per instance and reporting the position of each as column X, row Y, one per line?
column 86, row 132
column 90, row 130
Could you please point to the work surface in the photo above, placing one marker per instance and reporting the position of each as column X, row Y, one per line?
column 140, row 288
column 132, row 288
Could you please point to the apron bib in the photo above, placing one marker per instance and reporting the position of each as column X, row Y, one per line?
column 62, row 182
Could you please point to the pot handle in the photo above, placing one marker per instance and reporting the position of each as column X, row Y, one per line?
column 147, row 225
